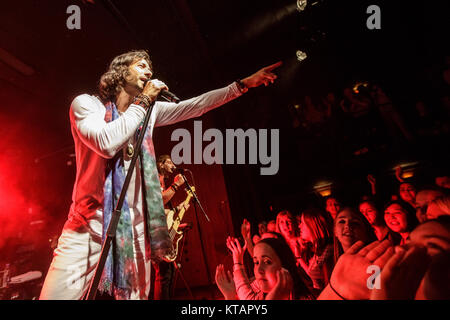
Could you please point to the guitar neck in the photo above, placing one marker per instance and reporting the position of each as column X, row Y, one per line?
column 183, row 210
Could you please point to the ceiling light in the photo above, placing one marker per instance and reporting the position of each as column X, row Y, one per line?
column 301, row 5
column 301, row 55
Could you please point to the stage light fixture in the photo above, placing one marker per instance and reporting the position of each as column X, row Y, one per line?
column 301, row 5
column 301, row 55
column 324, row 188
column 408, row 169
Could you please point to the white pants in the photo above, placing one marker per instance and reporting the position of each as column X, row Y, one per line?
column 77, row 254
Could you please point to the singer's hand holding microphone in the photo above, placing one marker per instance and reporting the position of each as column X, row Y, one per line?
column 154, row 87
column 178, row 180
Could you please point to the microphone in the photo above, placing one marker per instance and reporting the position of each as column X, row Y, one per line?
column 166, row 94
column 181, row 170
column 169, row 96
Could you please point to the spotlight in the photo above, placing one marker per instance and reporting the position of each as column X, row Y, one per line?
column 301, row 5
column 323, row 188
column 360, row 86
column 301, row 55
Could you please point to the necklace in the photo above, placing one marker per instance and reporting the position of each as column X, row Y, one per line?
column 130, row 150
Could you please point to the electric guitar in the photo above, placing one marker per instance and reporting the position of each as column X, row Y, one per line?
column 173, row 224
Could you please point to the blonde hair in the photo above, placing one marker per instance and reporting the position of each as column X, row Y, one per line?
column 290, row 216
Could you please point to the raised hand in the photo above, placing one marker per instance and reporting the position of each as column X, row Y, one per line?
column 153, row 88
column 283, row 288
column 178, row 180
column 225, row 283
column 264, row 75
column 236, row 249
column 398, row 173
column 402, row 274
column 246, row 229
column 371, row 179
column 350, row 275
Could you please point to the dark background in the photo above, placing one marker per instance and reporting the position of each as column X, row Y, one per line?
column 200, row 45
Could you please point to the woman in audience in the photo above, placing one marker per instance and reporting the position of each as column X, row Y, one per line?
column 317, row 256
column 287, row 226
column 401, row 218
column 369, row 210
column 420, row 269
column 407, row 193
column 276, row 275
column 332, row 206
column 406, row 190
column 349, row 227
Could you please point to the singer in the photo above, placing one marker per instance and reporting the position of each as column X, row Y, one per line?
column 104, row 130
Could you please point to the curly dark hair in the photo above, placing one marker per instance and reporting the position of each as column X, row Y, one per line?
column 112, row 81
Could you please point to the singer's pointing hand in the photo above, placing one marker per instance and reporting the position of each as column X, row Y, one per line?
column 153, row 88
column 263, row 76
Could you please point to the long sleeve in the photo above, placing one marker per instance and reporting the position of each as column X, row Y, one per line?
column 169, row 113
column 87, row 116
column 245, row 289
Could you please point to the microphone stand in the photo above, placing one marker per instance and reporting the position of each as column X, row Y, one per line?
column 112, row 228
column 205, row 260
column 194, row 195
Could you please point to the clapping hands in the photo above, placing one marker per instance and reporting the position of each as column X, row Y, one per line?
column 225, row 283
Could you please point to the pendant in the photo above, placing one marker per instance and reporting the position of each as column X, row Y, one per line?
column 130, row 150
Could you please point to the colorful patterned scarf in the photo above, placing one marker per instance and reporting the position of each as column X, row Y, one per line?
column 119, row 274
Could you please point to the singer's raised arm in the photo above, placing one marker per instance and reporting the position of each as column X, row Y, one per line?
column 169, row 113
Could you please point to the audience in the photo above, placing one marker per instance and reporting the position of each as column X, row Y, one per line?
column 316, row 256
column 376, row 220
column 276, row 274
column 287, row 226
column 349, row 227
column 407, row 193
column 423, row 198
column 332, row 206
column 400, row 218
column 403, row 228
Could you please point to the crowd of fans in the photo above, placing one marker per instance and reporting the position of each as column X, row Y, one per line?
column 383, row 249
column 363, row 117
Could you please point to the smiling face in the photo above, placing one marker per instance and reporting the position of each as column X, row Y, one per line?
column 396, row 219
column 138, row 73
column 407, row 192
column 348, row 229
column 369, row 212
column 266, row 264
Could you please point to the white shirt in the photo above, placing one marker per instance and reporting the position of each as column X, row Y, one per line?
column 96, row 141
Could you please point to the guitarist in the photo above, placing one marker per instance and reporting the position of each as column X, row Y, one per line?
column 164, row 271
